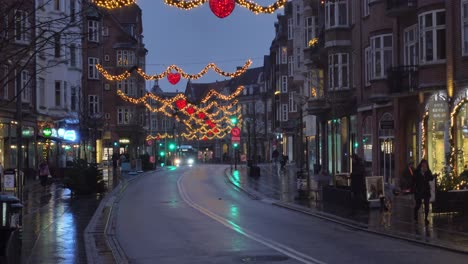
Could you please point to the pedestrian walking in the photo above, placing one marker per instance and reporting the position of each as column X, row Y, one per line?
column 422, row 189
column 407, row 179
column 275, row 155
column 357, row 181
column 44, row 173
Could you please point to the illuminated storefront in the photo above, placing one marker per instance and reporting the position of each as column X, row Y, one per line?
column 437, row 132
column 460, row 113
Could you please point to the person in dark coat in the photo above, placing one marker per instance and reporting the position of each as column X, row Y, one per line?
column 357, row 180
column 422, row 189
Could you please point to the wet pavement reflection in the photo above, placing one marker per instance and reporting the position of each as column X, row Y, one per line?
column 53, row 224
column 445, row 229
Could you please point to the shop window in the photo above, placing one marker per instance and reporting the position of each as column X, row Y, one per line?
column 437, row 130
column 462, row 138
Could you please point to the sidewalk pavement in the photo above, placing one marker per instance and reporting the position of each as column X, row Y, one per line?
column 448, row 231
column 54, row 221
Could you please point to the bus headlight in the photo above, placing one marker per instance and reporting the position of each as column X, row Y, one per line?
column 190, row 161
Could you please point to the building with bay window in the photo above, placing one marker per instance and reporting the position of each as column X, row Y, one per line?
column 395, row 85
column 111, row 125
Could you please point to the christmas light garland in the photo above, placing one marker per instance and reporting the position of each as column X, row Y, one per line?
column 169, row 70
column 112, row 4
column 252, row 6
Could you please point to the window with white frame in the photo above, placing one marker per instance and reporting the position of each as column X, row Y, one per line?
column 292, row 102
column 310, row 29
column 57, row 5
column 124, row 115
column 125, row 58
column 410, row 39
column 58, row 93
column 284, row 83
column 464, row 21
column 4, row 79
column 284, row 112
column 21, row 26
column 73, row 98
column 336, row 13
column 93, row 30
column 93, row 103
column 57, row 45
column 26, row 90
column 72, row 10
column 127, row 86
column 284, row 55
column 92, row 71
column 154, row 124
column 290, row 65
column 298, row 57
column 290, row 29
column 432, row 37
column 338, row 71
column 368, row 65
column 72, row 55
column 366, row 10
column 382, row 55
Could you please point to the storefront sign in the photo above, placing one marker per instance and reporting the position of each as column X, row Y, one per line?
column 387, row 124
column 439, row 111
column 9, row 181
column 27, row 132
column 124, row 141
column 47, row 132
column 70, row 135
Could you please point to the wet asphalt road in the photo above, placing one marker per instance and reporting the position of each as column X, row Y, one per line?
column 192, row 215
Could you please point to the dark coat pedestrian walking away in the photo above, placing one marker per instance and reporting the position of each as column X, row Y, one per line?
column 422, row 189
column 358, row 185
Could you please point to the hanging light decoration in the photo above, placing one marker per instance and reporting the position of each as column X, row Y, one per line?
column 111, row 4
column 173, row 78
column 223, row 7
column 169, row 70
column 181, row 104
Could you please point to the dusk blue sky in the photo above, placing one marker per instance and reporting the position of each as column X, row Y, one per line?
column 192, row 39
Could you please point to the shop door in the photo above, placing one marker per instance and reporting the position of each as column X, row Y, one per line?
column 387, row 159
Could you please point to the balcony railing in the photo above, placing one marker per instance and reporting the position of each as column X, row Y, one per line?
column 403, row 79
column 400, row 7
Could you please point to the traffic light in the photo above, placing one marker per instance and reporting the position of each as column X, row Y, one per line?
column 160, row 144
column 235, row 145
column 162, row 154
column 172, row 146
column 356, row 144
column 116, row 143
column 234, row 120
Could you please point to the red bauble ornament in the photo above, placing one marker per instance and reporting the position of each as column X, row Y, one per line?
column 210, row 134
column 190, row 110
column 173, row 78
column 208, row 122
column 222, row 8
column 205, row 138
column 216, row 130
column 201, row 115
column 181, row 104
column 212, row 125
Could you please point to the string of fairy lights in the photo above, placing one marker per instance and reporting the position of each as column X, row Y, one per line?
column 173, row 69
column 221, row 8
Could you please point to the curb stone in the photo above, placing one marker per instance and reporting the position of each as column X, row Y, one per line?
column 339, row 220
column 113, row 253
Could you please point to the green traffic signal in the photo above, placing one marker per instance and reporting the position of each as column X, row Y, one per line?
column 160, row 144
column 162, row 154
column 116, row 144
column 172, row 146
column 235, row 145
column 234, row 120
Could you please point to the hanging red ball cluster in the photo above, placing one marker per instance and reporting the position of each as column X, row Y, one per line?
column 222, row 8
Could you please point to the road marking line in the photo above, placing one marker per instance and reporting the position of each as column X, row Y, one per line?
column 245, row 232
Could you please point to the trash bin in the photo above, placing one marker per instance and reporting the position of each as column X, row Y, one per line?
column 10, row 242
column 254, row 171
